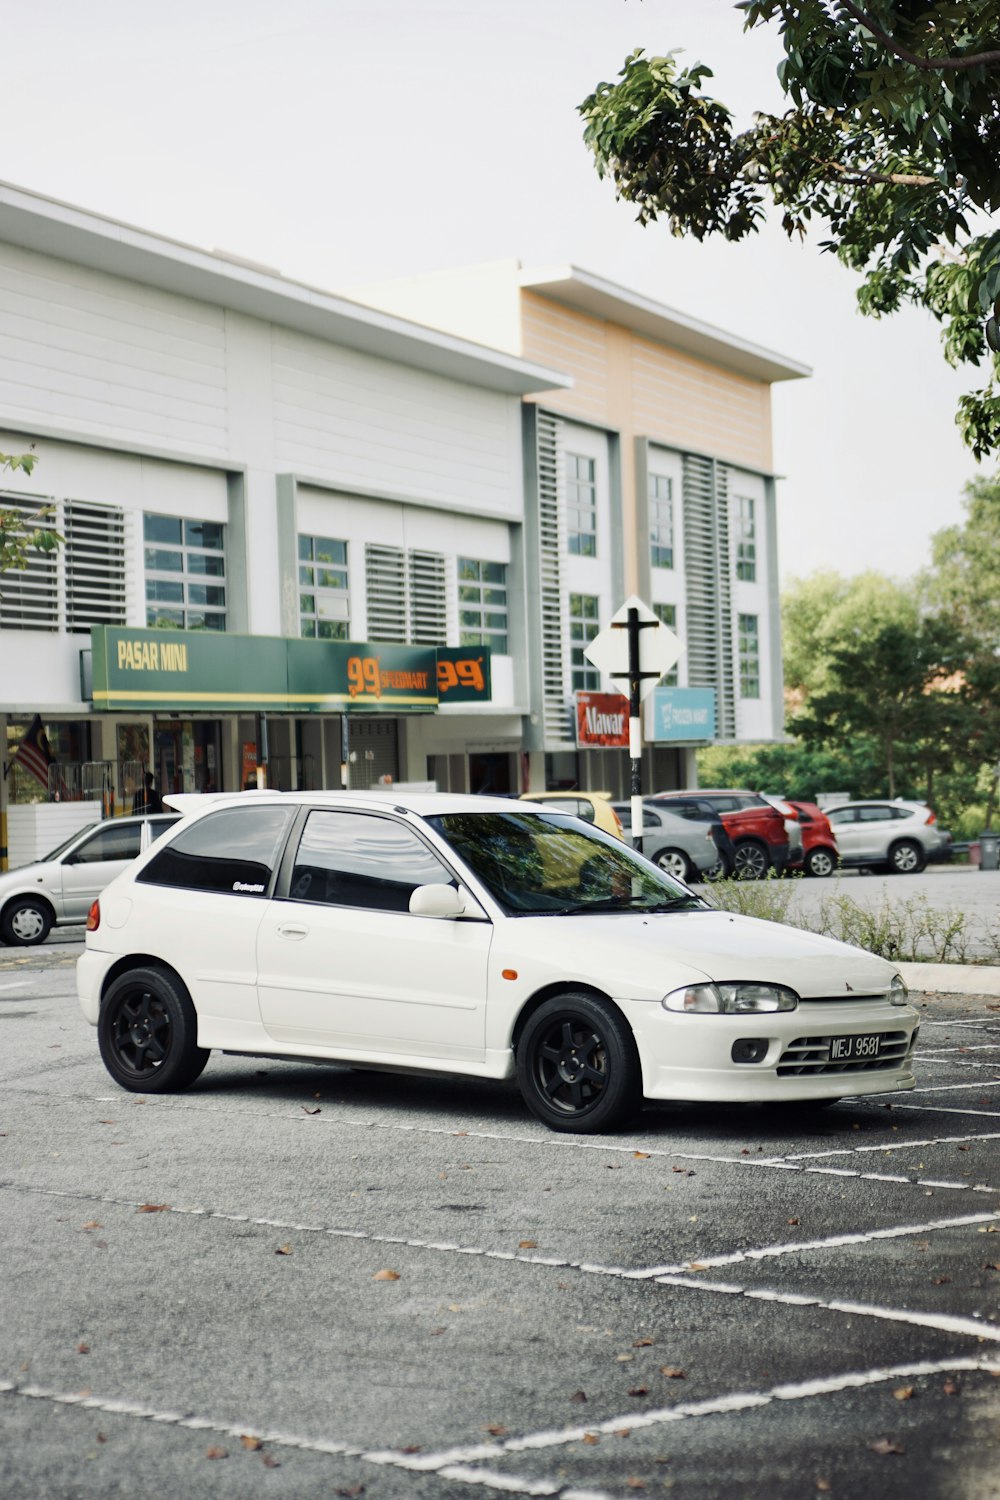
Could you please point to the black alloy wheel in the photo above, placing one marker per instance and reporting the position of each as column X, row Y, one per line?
column 148, row 1033
column 577, row 1065
column 752, row 862
column 25, row 922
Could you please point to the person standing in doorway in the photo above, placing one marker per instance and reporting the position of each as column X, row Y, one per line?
column 147, row 798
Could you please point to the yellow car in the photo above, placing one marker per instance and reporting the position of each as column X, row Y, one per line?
column 592, row 807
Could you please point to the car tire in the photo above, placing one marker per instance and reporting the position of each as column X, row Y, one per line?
column 676, row 863
column 577, row 1065
column 820, row 862
column 718, row 871
column 147, row 1033
column 906, row 858
column 25, row 922
column 752, row 861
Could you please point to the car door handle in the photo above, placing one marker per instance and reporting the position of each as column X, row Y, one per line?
column 292, row 930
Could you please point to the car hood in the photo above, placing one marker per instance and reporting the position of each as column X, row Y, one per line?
column 636, row 956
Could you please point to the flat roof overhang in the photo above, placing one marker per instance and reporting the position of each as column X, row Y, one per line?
column 586, row 293
column 73, row 234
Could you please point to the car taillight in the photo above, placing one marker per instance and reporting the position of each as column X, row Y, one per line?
column 94, row 916
column 931, row 816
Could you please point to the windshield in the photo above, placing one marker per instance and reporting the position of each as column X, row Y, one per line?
column 61, row 848
column 552, row 864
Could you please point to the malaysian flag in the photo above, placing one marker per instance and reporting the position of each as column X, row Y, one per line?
column 33, row 752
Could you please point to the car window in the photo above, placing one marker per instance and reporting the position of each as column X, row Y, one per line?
column 875, row 814
column 234, row 850
column 578, row 806
column 158, row 826
column 360, row 859
column 838, row 815
column 111, row 841
column 903, row 812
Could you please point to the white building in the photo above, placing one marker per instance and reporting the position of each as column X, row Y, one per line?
column 304, row 486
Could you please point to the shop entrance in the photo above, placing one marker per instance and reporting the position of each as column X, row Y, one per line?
column 187, row 756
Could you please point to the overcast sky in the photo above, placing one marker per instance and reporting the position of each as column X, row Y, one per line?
column 345, row 141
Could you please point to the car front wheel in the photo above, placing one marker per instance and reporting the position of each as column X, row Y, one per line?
column 577, row 1065
column 25, row 922
column 821, row 862
column 148, row 1033
column 907, row 858
column 752, row 862
column 675, row 863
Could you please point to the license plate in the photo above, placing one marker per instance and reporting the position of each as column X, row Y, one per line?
column 854, row 1048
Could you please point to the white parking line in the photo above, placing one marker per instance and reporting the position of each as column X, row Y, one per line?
column 674, row 1275
column 456, row 1463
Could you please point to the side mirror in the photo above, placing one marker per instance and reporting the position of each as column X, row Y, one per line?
column 442, row 901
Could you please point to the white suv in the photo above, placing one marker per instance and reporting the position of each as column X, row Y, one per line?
column 902, row 836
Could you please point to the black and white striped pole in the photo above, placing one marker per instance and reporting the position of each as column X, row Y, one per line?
column 633, row 624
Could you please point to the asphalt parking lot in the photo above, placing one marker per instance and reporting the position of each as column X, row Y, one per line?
column 308, row 1281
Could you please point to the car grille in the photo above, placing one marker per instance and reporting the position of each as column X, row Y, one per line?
column 810, row 1056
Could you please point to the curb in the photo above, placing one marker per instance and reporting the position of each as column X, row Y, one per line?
column 951, row 979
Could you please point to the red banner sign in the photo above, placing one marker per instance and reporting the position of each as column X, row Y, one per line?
column 601, row 720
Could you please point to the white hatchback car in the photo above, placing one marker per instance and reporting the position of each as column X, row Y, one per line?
column 471, row 935
column 898, row 836
column 59, row 889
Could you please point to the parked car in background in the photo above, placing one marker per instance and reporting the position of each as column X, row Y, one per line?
column 684, row 848
column 58, row 890
column 899, row 836
column 813, row 850
column 471, row 935
column 592, row 807
column 756, row 828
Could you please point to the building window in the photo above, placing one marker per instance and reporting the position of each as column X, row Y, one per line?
column 185, row 566
column 81, row 583
column 581, row 505
column 482, row 604
column 324, row 611
column 406, row 595
column 661, row 521
column 667, row 615
column 746, row 539
column 749, row 657
column 583, row 627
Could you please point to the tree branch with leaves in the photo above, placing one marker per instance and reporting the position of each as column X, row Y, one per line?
column 17, row 539
column 890, row 145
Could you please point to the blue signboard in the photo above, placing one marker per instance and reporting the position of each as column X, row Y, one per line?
column 683, row 714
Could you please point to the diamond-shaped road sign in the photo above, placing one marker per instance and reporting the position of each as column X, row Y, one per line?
column 659, row 648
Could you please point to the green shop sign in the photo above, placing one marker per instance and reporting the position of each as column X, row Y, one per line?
column 199, row 670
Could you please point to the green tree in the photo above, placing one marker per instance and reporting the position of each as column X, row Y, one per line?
column 962, row 582
column 890, row 143
column 15, row 541
column 905, row 690
column 826, row 611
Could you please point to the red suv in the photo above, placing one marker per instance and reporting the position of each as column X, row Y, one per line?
column 755, row 827
column 820, row 855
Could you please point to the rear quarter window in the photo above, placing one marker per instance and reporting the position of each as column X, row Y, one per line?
column 235, row 850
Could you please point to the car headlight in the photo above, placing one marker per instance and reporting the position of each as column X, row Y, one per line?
column 898, row 993
column 731, row 999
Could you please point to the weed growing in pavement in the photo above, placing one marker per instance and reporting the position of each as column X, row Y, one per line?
column 904, row 932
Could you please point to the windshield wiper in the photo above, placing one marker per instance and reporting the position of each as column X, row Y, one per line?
column 583, row 908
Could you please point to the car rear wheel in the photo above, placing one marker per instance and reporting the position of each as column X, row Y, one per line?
column 907, row 858
column 148, row 1033
column 752, row 862
column 577, row 1065
column 25, row 922
column 821, row 861
column 676, row 863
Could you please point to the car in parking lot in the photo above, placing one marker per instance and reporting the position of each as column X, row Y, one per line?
column 883, row 834
column 58, row 890
column 592, row 807
column 815, row 851
column 758, row 831
column 687, row 849
column 471, row 935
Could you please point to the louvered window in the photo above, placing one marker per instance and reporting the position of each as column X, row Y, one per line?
column 708, row 580
column 95, row 565
column 557, row 719
column 385, row 588
column 81, row 583
column 29, row 597
column 428, row 599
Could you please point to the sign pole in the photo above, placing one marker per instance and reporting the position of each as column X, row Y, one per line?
column 633, row 624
